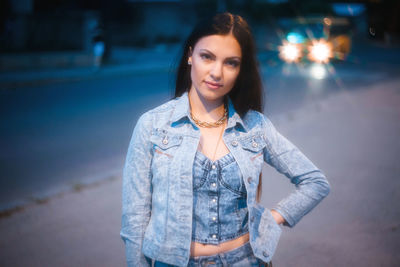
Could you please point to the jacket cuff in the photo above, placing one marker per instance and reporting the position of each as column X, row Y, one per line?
column 266, row 233
column 134, row 255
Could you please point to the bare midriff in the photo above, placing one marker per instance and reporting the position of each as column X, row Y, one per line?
column 199, row 249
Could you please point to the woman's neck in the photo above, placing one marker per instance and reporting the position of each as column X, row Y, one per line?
column 203, row 109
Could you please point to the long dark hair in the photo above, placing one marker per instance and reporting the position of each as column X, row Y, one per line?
column 247, row 93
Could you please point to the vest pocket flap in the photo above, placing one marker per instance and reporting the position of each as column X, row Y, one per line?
column 254, row 143
column 165, row 141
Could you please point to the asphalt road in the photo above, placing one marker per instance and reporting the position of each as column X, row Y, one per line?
column 61, row 137
column 57, row 136
column 351, row 135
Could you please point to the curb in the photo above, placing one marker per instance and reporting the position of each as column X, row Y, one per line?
column 15, row 80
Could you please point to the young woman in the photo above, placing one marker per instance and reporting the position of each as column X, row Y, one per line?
column 193, row 167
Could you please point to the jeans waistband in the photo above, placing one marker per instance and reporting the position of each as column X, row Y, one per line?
column 228, row 257
column 242, row 255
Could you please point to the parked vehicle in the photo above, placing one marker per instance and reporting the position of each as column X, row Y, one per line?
column 316, row 39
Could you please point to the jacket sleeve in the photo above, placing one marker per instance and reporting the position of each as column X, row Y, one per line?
column 311, row 184
column 136, row 193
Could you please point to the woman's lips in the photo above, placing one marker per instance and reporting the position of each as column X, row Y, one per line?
column 213, row 85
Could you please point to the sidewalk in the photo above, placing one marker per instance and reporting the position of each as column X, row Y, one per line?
column 351, row 136
column 124, row 61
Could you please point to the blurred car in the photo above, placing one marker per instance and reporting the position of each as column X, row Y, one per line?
column 316, row 39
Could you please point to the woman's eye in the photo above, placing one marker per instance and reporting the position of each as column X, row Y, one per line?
column 205, row 56
column 233, row 63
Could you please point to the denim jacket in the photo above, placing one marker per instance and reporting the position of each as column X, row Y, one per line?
column 157, row 195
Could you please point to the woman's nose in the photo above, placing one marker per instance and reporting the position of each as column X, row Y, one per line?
column 216, row 71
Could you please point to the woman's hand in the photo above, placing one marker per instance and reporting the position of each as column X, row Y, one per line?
column 277, row 216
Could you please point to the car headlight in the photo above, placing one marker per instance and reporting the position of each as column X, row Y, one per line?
column 290, row 52
column 320, row 51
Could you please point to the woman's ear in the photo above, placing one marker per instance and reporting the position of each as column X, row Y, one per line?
column 190, row 56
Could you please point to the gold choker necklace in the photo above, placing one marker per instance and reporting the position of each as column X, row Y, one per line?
column 206, row 124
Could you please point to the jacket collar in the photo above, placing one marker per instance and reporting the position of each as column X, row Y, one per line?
column 182, row 110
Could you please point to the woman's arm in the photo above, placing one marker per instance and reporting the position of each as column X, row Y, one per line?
column 311, row 184
column 136, row 192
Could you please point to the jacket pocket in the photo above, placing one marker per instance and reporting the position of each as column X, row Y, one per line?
column 165, row 147
column 254, row 147
column 253, row 143
column 163, row 141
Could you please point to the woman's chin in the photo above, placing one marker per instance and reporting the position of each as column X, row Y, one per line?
column 210, row 95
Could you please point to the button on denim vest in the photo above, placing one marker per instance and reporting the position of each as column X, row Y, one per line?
column 157, row 192
column 219, row 200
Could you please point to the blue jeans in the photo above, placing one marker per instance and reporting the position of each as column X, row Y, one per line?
column 239, row 257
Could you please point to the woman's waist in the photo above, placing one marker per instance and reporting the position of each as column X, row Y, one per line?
column 200, row 249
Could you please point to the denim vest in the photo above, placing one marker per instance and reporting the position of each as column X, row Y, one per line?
column 219, row 200
column 157, row 194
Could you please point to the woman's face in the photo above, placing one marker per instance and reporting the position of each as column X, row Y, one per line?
column 215, row 61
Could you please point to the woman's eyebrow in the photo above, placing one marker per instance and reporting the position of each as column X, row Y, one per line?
column 208, row 51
